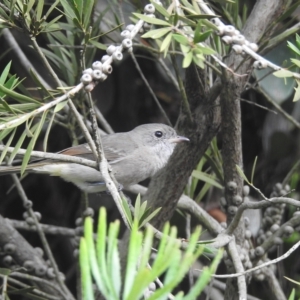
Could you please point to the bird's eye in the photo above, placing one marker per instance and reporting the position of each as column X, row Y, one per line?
column 158, row 134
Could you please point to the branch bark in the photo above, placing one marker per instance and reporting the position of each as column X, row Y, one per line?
column 166, row 187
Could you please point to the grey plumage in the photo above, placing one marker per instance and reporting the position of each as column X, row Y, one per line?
column 133, row 156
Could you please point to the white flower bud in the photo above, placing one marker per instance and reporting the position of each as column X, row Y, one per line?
column 247, row 221
column 86, row 78
column 238, row 39
column 126, row 34
column 97, row 74
column 88, row 71
column 248, row 234
column 260, row 64
column 253, row 47
column 288, row 230
column 103, row 77
column 127, row 43
column 259, row 251
column 149, row 9
column 237, row 200
column 97, row 65
column 117, row 55
column 274, row 227
column 105, row 58
column 232, row 210
column 229, row 30
column 107, row 69
column 221, row 29
column 216, row 21
column 227, row 39
column 246, row 190
column 89, row 87
column 238, row 49
column 130, row 27
column 111, row 49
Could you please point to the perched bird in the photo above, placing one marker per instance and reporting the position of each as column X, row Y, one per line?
column 133, row 156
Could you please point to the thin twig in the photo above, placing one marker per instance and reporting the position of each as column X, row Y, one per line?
column 280, row 110
column 41, row 234
column 48, row 229
column 268, row 263
column 26, row 286
column 150, row 89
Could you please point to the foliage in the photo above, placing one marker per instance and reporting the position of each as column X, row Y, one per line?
column 100, row 262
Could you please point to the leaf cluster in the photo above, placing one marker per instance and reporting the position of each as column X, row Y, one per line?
column 100, row 262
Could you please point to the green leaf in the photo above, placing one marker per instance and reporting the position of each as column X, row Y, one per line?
column 112, row 260
column 156, row 33
column 187, row 60
column 202, row 37
column 127, row 211
column 296, row 62
column 199, row 60
column 4, row 133
column 203, row 192
column 19, row 143
column 5, row 73
column 102, row 280
column 164, row 47
column 150, row 20
column 5, row 272
column 86, row 280
column 147, row 248
column 19, row 97
column 134, row 250
column 283, row 73
column 78, row 8
column 253, row 169
column 297, row 92
column 187, row 21
column 137, row 207
column 181, row 39
column 97, row 44
column 51, row 8
column 242, row 174
column 87, row 12
column 197, row 32
column 39, row 9
column 4, row 151
column 147, row 219
column 32, row 143
column 160, row 9
column 293, row 294
column 204, row 50
column 60, row 106
column 68, row 9
column 294, row 281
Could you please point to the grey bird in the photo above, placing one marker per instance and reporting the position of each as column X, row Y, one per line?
column 133, row 156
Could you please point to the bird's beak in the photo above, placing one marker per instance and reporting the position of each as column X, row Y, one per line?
column 179, row 139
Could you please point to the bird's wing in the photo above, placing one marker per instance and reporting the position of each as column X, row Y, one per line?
column 117, row 146
column 113, row 147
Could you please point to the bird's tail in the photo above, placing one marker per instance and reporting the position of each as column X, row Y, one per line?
column 5, row 170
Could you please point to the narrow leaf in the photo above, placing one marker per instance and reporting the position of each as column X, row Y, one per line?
column 86, row 280
column 150, row 20
column 19, row 97
column 242, row 174
column 32, row 143
column 156, row 33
